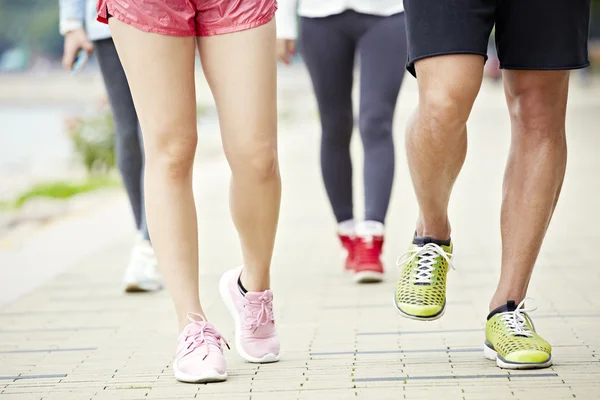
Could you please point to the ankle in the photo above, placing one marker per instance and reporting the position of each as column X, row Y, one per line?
column 438, row 228
column 501, row 298
column 185, row 318
column 255, row 282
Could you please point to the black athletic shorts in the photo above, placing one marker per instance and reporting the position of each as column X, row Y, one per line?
column 530, row 34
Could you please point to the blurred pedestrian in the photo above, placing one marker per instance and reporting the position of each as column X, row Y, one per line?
column 537, row 46
column 83, row 33
column 332, row 36
column 156, row 42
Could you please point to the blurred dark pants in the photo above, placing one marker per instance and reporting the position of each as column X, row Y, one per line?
column 129, row 145
column 329, row 46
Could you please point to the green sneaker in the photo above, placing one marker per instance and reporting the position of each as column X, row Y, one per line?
column 511, row 340
column 421, row 289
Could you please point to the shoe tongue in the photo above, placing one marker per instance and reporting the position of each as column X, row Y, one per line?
column 194, row 327
column 510, row 306
column 422, row 241
column 256, row 296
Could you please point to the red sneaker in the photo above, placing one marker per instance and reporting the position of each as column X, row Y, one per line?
column 349, row 250
column 368, row 243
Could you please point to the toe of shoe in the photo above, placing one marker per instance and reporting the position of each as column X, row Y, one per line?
column 419, row 310
column 199, row 367
column 258, row 349
column 528, row 356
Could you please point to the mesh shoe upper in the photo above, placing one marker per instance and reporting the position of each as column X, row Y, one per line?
column 421, row 289
column 511, row 332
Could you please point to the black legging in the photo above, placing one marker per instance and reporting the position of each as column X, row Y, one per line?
column 129, row 146
column 328, row 47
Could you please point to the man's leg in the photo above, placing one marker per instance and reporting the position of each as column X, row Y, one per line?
column 533, row 178
column 447, row 43
column 537, row 101
column 436, row 145
column 436, row 139
column 536, row 55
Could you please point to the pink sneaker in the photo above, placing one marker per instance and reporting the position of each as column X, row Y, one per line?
column 199, row 357
column 255, row 336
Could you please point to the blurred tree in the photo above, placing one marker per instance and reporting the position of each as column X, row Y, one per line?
column 32, row 24
column 595, row 23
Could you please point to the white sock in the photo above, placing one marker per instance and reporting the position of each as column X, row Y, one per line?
column 346, row 228
column 370, row 228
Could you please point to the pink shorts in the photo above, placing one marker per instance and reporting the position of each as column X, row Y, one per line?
column 189, row 17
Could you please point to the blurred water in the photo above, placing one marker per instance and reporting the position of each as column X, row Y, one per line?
column 33, row 146
column 32, row 136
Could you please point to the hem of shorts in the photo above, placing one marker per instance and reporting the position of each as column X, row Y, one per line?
column 534, row 68
column 410, row 65
column 446, row 53
column 147, row 28
column 236, row 28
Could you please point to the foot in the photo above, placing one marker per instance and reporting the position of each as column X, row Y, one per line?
column 421, row 289
column 142, row 274
column 511, row 339
column 346, row 234
column 199, row 357
column 255, row 336
column 368, row 243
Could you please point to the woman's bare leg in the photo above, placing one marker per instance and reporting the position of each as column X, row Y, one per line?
column 160, row 71
column 241, row 71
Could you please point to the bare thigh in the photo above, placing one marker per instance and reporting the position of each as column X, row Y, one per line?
column 241, row 71
column 160, row 72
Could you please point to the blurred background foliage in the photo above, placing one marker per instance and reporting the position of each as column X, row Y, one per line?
column 29, row 31
column 31, row 25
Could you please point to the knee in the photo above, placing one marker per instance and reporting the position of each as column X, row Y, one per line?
column 257, row 162
column 536, row 114
column 445, row 110
column 537, row 102
column 376, row 126
column 171, row 151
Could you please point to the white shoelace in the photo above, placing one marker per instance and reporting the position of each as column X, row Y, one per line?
column 426, row 261
column 516, row 322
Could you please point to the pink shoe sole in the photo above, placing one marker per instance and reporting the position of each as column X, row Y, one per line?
column 206, row 377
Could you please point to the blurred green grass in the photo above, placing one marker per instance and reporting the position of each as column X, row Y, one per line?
column 60, row 190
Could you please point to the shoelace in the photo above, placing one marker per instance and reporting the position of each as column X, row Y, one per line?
column 426, row 261
column 516, row 322
column 365, row 249
column 205, row 335
column 259, row 313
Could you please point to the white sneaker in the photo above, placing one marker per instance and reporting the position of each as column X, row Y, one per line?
column 142, row 274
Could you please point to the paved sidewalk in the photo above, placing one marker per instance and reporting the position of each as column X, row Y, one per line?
column 78, row 337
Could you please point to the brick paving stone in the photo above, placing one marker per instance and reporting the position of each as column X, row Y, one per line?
column 339, row 340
